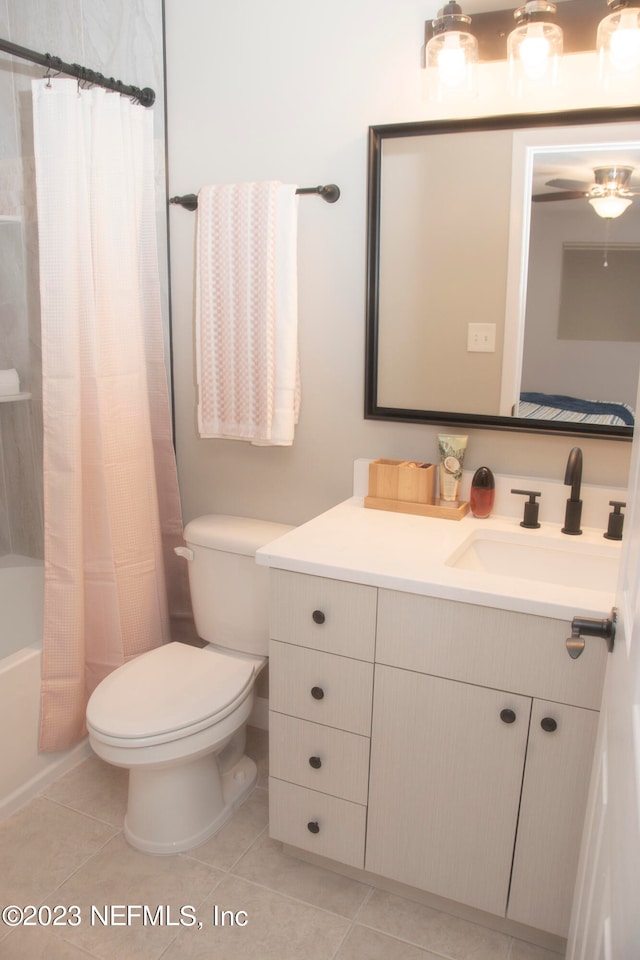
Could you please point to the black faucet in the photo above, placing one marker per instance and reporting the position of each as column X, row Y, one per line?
column 573, row 478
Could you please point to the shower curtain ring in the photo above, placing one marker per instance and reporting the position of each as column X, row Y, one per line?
column 52, row 64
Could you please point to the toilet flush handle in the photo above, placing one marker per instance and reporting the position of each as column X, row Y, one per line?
column 185, row 552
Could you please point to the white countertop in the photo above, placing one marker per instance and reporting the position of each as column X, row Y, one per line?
column 409, row 553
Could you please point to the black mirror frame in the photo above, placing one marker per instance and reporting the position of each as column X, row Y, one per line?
column 377, row 134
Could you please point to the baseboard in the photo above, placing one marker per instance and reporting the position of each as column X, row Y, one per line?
column 36, row 784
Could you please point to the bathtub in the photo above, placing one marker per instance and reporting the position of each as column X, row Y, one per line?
column 23, row 771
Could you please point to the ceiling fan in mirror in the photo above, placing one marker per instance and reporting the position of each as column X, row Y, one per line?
column 609, row 194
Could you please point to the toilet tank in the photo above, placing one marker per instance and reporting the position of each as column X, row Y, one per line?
column 229, row 591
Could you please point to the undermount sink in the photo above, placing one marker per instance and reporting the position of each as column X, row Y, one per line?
column 565, row 562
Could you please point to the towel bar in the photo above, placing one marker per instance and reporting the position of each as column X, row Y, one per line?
column 329, row 192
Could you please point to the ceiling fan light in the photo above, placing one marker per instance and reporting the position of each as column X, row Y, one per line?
column 451, row 55
column 534, row 47
column 618, row 42
column 609, row 207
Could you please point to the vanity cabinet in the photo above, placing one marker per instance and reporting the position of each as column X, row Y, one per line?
column 460, row 737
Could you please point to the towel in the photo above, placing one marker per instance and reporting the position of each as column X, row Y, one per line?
column 9, row 383
column 246, row 312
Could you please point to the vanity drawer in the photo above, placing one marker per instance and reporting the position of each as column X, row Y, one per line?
column 329, row 615
column 321, row 758
column 336, row 691
column 316, row 822
column 488, row 647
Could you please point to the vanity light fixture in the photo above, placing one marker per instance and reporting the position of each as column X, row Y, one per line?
column 451, row 55
column 544, row 32
column 534, row 47
column 618, row 42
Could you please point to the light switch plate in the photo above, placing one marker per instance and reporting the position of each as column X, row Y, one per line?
column 481, row 337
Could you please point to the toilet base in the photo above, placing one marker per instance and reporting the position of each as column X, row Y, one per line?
column 172, row 809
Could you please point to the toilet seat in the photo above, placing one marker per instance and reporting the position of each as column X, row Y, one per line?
column 167, row 694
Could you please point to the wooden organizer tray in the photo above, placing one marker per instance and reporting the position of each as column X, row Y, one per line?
column 407, row 486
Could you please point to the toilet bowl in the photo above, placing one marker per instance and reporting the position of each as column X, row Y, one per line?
column 175, row 717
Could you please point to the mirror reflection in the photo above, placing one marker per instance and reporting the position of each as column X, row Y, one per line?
column 498, row 295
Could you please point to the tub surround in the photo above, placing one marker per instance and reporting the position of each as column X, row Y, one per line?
column 428, row 728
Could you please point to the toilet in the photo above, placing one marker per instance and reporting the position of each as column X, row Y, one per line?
column 176, row 716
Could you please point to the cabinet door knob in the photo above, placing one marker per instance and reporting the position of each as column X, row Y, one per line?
column 317, row 693
column 507, row 716
column 548, row 724
column 315, row 762
column 313, row 826
column 318, row 616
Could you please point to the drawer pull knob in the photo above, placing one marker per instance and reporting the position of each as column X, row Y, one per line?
column 507, row 716
column 315, row 762
column 313, row 826
column 548, row 724
column 317, row 693
column 318, row 616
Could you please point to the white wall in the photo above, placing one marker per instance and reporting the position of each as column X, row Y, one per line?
column 287, row 90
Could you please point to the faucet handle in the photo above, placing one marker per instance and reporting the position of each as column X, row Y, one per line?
column 531, row 508
column 616, row 521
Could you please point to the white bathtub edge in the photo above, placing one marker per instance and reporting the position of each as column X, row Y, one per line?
column 33, row 787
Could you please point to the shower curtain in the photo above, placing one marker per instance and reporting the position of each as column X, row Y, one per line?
column 111, row 503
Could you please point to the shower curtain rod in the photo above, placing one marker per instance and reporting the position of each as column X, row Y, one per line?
column 146, row 96
column 329, row 192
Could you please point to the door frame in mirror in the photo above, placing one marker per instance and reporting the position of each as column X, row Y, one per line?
column 377, row 135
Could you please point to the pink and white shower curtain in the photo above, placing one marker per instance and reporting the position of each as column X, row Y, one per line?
column 111, row 503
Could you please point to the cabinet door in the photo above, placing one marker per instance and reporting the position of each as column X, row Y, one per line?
column 554, row 796
column 445, row 781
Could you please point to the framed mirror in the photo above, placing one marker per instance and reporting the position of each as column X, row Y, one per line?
column 497, row 295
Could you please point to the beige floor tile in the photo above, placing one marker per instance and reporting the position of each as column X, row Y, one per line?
column 527, row 951
column 41, row 845
column 95, row 788
column 34, row 943
column 365, row 944
column 238, row 833
column 119, row 877
column 266, row 864
column 277, row 928
column 432, row 930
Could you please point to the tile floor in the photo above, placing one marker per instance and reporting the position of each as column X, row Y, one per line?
column 66, row 847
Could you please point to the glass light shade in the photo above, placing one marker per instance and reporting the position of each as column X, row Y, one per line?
column 534, row 49
column 610, row 207
column 451, row 60
column 619, row 45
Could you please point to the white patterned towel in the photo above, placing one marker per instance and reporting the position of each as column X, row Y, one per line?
column 246, row 312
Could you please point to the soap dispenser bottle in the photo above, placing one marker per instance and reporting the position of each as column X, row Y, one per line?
column 483, row 493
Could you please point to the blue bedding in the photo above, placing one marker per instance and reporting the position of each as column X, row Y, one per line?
column 552, row 406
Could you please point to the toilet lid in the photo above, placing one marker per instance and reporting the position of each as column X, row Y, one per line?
column 170, row 688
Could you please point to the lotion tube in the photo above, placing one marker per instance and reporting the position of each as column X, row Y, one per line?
column 451, row 451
